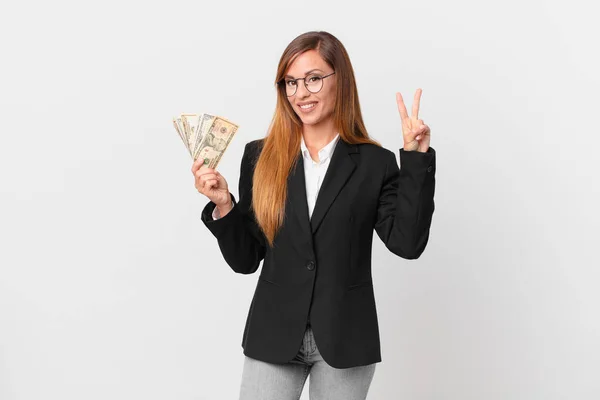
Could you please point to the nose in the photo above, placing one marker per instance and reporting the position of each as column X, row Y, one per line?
column 301, row 90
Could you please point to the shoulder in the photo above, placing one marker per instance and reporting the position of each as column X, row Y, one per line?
column 374, row 150
column 252, row 151
column 376, row 155
column 254, row 147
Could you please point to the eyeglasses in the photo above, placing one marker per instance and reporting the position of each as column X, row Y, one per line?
column 312, row 82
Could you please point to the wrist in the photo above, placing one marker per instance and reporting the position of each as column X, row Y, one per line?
column 223, row 209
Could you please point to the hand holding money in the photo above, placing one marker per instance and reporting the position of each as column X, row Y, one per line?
column 206, row 138
column 213, row 185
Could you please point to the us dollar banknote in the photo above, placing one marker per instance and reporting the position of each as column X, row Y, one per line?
column 178, row 124
column 205, row 121
column 215, row 141
column 205, row 135
column 190, row 125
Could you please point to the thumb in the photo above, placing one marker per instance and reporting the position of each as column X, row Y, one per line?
column 416, row 135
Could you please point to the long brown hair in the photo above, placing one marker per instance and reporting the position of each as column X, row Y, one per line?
column 282, row 143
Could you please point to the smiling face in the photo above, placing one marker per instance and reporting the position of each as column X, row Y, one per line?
column 320, row 105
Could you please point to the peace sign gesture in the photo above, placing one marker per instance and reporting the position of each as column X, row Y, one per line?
column 415, row 133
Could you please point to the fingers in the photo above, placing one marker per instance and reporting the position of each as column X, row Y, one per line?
column 205, row 186
column 416, row 104
column 401, row 107
column 198, row 169
column 205, row 171
column 203, row 178
column 424, row 130
column 210, row 183
column 417, row 133
column 199, row 163
column 415, row 107
column 196, row 165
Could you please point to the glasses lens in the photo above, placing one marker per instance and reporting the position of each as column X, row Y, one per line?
column 290, row 87
column 314, row 83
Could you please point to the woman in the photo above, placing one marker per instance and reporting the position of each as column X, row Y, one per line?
column 313, row 309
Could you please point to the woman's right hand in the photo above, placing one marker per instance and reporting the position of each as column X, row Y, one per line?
column 212, row 184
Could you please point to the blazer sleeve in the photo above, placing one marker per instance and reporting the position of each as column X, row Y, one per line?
column 239, row 237
column 406, row 203
column 216, row 215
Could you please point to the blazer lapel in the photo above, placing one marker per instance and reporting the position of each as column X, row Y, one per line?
column 297, row 195
column 341, row 166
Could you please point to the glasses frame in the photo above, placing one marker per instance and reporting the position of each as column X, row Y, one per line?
column 305, row 85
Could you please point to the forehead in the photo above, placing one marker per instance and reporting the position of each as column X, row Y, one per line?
column 305, row 62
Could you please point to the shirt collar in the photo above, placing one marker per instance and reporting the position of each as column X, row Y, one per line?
column 324, row 153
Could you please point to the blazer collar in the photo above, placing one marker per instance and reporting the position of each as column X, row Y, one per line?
column 341, row 167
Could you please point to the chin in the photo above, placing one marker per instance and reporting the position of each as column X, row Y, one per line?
column 310, row 121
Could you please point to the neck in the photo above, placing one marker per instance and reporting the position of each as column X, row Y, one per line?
column 318, row 136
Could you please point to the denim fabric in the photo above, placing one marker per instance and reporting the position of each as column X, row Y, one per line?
column 267, row 381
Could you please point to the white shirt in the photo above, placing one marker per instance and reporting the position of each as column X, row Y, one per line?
column 314, row 172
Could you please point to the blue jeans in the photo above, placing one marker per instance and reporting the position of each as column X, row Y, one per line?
column 266, row 381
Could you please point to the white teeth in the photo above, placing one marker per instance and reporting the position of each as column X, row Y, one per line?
column 308, row 106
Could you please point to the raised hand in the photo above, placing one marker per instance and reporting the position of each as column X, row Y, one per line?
column 212, row 184
column 415, row 133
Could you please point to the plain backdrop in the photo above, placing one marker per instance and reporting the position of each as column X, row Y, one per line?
column 112, row 288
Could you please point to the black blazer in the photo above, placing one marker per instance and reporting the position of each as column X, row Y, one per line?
column 319, row 269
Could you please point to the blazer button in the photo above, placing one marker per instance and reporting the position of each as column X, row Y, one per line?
column 429, row 169
column 310, row 265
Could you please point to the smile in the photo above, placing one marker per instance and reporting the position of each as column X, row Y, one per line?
column 308, row 106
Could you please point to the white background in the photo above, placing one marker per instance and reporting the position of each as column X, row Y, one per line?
column 112, row 288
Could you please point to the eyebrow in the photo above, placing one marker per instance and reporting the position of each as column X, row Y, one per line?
column 307, row 72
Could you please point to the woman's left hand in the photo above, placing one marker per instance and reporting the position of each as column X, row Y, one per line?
column 415, row 133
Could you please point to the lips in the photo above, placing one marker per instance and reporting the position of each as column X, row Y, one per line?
column 307, row 105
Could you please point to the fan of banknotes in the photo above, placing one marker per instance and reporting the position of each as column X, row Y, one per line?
column 205, row 136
